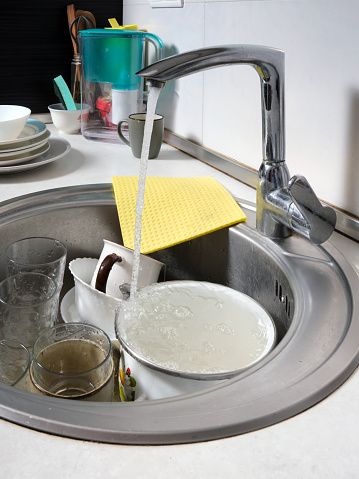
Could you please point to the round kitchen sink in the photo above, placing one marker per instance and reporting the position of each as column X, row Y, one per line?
column 311, row 292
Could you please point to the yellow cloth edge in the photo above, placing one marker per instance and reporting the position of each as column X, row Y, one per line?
column 148, row 251
column 153, row 182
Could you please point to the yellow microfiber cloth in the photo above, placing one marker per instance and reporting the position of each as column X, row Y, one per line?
column 175, row 210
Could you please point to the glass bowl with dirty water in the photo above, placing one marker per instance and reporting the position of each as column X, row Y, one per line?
column 177, row 334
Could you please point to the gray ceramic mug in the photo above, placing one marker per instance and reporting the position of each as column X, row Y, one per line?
column 136, row 126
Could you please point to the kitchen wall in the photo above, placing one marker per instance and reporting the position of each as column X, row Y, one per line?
column 220, row 108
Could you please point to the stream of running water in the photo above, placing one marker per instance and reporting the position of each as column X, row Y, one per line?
column 151, row 109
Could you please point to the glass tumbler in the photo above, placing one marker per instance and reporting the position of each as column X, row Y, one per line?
column 37, row 255
column 15, row 361
column 28, row 305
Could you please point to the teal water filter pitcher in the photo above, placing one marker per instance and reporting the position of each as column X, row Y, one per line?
column 110, row 86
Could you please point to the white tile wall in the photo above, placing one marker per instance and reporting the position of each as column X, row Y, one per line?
column 221, row 108
column 181, row 101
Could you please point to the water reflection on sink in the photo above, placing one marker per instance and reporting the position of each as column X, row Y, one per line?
column 311, row 292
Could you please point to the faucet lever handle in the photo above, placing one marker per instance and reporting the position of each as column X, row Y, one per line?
column 310, row 218
column 303, row 194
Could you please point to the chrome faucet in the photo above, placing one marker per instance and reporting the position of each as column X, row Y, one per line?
column 283, row 204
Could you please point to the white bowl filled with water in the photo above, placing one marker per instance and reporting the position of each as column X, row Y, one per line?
column 182, row 336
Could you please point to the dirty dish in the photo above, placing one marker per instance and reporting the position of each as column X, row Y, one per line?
column 73, row 361
column 93, row 306
column 59, row 147
column 110, row 275
column 67, row 121
column 12, row 121
column 32, row 143
column 31, row 130
column 70, row 314
column 191, row 331
column 24, row 155
column 68, row 309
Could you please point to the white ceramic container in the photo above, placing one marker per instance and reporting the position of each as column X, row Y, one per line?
column 68, row 121
column 121, row 272
column 12, row 121
column 93, row 306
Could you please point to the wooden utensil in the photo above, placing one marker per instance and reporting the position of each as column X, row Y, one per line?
column 70, row 18
column 82, row 24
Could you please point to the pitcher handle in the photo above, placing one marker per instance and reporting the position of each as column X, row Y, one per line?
column 157, row 43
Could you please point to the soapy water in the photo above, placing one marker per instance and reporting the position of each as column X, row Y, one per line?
column 195, row 338
column 194, row 327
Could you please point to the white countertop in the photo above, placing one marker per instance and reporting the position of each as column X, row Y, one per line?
column 319, row 443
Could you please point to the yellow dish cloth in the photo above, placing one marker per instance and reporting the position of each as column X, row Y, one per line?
column 175, row 210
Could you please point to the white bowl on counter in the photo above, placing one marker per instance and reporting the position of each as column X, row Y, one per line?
column 12, row 121
column 67, row 121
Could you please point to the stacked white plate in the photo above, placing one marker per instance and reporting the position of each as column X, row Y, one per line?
column 32, row 148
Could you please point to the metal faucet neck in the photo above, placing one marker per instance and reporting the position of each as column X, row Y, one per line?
column 283, row 205
column 269, row 64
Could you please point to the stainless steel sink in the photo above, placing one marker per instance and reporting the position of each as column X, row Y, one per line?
column 312, row 293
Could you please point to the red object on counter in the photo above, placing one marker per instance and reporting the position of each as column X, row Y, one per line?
column 104, row 106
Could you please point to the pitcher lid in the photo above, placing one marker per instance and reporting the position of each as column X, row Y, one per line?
column 112, row 32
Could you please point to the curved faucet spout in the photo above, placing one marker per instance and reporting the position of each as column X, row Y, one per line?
column 283, row 205
column 268, row 62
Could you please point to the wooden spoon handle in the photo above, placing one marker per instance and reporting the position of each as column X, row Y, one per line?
column 70, row 18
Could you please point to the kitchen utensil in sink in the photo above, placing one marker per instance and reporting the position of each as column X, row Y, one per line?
column 112, row 275
column 37, row 255
column 28, row 304
column 73, row 361
column 181, row 336
column 15, row 361
column 92, row 306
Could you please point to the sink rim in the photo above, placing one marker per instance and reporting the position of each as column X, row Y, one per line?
column 170, row 421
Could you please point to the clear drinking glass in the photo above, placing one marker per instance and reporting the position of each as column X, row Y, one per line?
column 28, row 305
column 73, row 361
column 37, row 255
column 15, row 361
